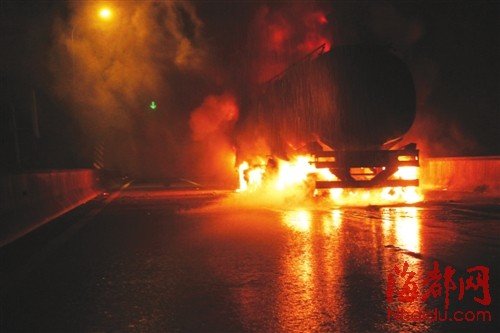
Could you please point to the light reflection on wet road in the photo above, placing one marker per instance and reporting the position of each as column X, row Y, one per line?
column 150, row 262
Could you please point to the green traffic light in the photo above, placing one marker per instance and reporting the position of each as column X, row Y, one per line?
column 153, row 105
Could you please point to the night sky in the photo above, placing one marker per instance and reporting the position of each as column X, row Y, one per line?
column 451, row 48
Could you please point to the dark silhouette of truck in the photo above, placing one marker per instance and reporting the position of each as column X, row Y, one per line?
column 349, row 108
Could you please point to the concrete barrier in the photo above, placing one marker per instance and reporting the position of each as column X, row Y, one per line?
column 29, row 200
column 480, row 175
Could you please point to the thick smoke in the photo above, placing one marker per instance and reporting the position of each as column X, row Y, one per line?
column 211, row 127
column 283, row 34
column 280, row 35
column 109, row 70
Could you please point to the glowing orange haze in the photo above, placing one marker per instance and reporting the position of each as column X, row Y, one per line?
column 211, row 125
column 285, row 35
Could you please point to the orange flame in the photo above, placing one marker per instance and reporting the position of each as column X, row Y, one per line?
column 298, row 176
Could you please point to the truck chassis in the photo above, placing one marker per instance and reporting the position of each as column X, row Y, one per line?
column 367, row 169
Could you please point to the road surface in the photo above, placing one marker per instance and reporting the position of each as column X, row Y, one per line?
column 156, row 260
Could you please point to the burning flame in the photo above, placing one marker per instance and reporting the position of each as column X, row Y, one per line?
column 298, row 176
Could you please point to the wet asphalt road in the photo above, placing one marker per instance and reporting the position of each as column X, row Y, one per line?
column 151, row 260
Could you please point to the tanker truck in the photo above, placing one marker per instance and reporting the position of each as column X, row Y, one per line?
column 349, row 108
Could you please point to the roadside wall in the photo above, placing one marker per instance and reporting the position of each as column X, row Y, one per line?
column 479, row 175
column 29, row 200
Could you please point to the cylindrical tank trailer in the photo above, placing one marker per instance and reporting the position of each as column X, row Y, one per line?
column 351, row 98
column 356, row 101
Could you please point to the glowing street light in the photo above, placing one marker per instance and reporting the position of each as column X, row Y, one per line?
column 105, row 14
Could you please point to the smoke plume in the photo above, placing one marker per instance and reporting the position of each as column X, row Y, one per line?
column 284, row 33
column 109, row 71
column 212, row 127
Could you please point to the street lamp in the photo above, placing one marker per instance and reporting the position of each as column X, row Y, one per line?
column 105, row 13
